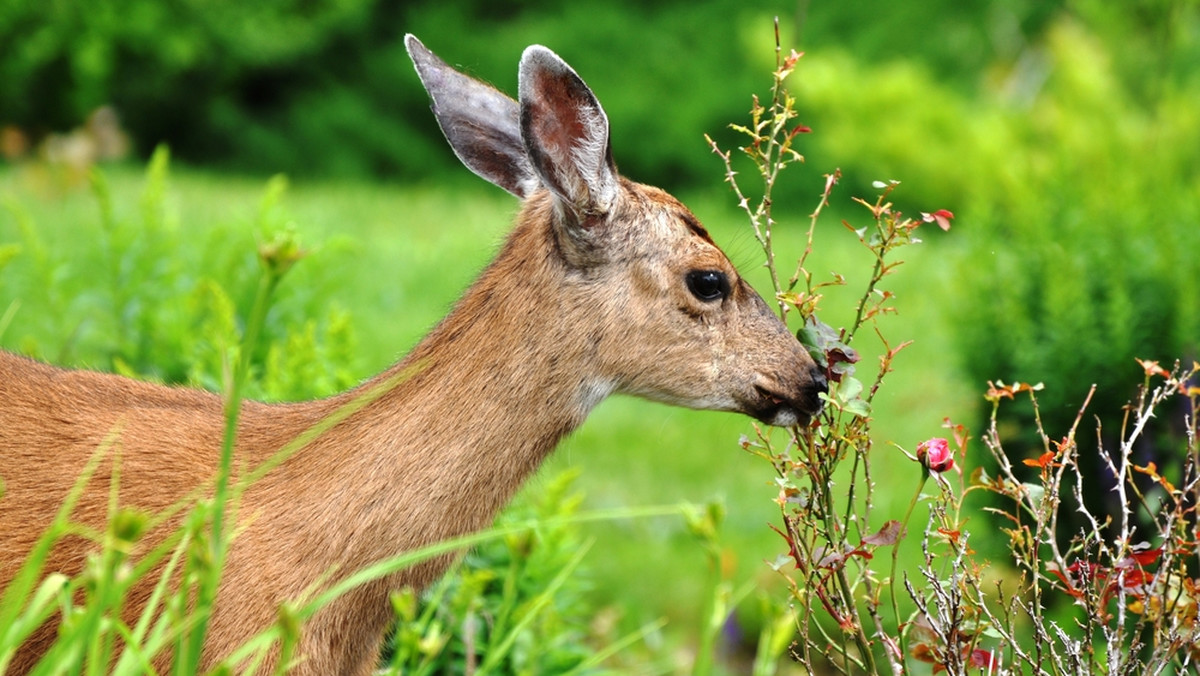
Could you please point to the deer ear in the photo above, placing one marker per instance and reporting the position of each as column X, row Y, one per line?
column 566, row 134
column 481, row 123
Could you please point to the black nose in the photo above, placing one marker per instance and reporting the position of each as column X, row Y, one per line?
column 820, row 385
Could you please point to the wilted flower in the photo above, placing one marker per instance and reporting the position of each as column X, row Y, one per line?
column 935, row 455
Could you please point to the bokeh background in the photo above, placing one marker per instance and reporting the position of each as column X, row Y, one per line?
column 1064, row 135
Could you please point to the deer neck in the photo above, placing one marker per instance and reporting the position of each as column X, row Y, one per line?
column 477, row 405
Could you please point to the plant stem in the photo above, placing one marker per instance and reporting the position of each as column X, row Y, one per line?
column 895, row 561
column 221, row 506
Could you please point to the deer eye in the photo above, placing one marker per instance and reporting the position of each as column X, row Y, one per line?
column 708, row 285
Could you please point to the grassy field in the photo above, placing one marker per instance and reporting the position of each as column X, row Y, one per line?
column 395, row 257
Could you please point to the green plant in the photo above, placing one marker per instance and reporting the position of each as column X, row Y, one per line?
column 515, row 605
column 829, row 537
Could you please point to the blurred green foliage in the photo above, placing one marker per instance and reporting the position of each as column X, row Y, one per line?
column 1089, row 255
column 324, row 86
column 122, row 298
column 1074, row 168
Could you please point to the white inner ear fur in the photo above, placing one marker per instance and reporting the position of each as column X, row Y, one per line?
column 581, row 176
column 590, row 156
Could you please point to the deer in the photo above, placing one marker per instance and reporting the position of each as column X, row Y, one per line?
column 603, row 286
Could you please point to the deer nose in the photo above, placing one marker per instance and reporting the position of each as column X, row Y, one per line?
column 819, row 381
column 819, row 386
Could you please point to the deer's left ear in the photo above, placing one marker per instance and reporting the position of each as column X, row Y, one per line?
column 481, row 123
column 565, row 132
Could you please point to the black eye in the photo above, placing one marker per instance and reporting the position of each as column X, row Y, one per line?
column 708, row 285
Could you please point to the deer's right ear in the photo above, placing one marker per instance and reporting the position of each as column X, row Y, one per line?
column 482, row 124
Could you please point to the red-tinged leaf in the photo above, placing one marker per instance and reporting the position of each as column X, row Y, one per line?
column 860, row 552
column 1136, row 578
column 1146, row 557
column 998, row 389
column 828, row 560
column 997, row 392
column 943, row 218
column 842, row 354
column 1152, row 368
column 1151, row 470
column 952, row 535
column 923, row 652
column 1068, row 586
column 1043, row 461
column 888, row 535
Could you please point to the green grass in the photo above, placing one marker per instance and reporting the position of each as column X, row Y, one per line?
column 395, row 257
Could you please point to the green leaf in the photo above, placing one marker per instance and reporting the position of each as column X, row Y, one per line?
column 858, row 407
column 849, row 389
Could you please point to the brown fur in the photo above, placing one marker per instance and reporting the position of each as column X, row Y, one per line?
column 578, row 304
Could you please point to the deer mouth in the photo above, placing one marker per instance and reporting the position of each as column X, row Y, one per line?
column 798, row 407
column 774, row 408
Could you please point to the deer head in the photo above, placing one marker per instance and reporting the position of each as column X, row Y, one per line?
column 645, row 290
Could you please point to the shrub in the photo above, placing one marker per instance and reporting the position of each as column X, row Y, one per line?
column 1126, row 578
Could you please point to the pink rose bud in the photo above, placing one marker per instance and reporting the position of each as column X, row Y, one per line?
column 935, row 454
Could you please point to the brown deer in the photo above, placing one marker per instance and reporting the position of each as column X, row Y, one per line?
column 604, row 286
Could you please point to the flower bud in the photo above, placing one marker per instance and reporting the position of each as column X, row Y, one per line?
column 935, row 455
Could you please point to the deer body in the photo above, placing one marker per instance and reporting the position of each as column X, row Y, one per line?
column 603, row 286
